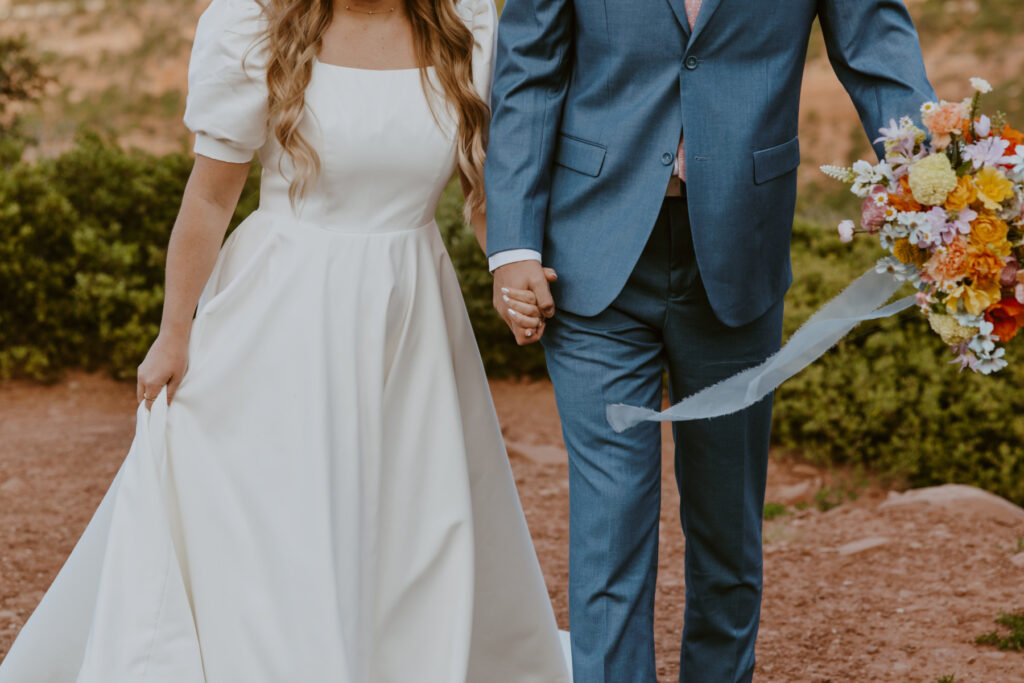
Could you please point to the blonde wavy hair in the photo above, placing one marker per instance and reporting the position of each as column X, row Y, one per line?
column 293, row 39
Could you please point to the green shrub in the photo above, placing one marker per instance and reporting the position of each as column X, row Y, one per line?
column 82, row 246
column 887, row 398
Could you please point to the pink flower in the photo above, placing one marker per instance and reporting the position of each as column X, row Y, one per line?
column 846, row 229
column 1008, row 277
column 1019, row 292
column 923, row 300
column 872, row 214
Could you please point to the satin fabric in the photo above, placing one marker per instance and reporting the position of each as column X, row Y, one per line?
column 327, row 499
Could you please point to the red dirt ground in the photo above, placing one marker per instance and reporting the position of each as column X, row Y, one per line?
column 907, row 610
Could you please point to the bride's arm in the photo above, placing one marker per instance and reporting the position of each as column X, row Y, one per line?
column 209, row 202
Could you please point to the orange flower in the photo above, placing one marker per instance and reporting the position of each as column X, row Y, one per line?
column 904, row 200
column 988, row 230
column 1014, row 136
column 948, row 264
column 983, row 264
column 945, row 119
column 1007, row 317
column 963, row 195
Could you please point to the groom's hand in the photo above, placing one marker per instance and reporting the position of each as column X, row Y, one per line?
column 524, row 275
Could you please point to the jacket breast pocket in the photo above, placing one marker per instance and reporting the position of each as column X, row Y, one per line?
column 776, row 161
column 580, row 156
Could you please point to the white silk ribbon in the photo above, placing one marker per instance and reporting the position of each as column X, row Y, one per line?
column 862, row 300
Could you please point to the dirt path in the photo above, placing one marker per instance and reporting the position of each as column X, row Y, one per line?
column 905, row 610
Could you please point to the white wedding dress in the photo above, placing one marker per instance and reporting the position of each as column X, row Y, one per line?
column 327, row 499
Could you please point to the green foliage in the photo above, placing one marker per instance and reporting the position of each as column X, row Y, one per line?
column 1013, row 641
column 82, row 245
column 774, row 510
column 886, row 397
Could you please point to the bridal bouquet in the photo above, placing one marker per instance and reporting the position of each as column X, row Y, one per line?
column 949, row 214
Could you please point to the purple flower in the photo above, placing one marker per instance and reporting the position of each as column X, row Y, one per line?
column 988, row 151
column 1008, row 278
column 939, row 227
column 961, row 225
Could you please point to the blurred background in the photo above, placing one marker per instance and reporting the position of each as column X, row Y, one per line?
column 93, row 161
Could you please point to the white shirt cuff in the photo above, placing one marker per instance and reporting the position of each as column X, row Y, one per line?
column 503, row 258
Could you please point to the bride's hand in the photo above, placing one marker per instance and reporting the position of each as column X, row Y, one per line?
column 165, row 365
column 524, row 311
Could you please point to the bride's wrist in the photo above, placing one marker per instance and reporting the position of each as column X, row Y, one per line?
column 175, row 333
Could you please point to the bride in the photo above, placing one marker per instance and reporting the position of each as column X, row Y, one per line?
column 324, row 497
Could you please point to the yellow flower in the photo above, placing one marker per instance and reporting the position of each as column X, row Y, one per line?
column 976, row 298
column 906, row 252
column 993, row 187
column 988, row 230
column 932, row 179
column 952, row 332
column 963, row 195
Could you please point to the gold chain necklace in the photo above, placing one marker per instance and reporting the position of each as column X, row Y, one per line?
column 369, row 12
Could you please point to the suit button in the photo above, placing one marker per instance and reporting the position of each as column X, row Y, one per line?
column 692, row 62
column 667, row 158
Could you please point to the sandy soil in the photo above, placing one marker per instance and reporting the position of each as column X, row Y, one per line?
column 905, row 610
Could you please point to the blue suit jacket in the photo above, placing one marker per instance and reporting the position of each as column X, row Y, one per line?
column 588, row 102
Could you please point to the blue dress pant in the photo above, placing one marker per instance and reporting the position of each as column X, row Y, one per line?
column 661, row 321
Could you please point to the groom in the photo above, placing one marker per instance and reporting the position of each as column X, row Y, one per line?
column 647, row 151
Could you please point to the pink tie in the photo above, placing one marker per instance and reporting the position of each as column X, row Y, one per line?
column 692, row 10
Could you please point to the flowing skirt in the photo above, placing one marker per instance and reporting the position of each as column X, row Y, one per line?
column 326, row 500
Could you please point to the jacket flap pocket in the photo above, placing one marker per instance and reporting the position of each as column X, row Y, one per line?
column 776, row 161
column 583, row 157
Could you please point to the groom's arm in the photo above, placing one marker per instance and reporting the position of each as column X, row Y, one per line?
column 531, row 77
column 875, row 51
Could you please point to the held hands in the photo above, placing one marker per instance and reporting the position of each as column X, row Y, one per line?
column 164, row 366
column 522, row 296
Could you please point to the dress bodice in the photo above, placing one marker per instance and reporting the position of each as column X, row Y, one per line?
column 387, row 145
column 384, row 158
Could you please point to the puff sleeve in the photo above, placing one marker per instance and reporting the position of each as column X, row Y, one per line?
column 227, row 91
column 481, row 16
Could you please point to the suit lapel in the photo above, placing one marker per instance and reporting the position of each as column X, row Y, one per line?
column 707, row 9
column 679, row 8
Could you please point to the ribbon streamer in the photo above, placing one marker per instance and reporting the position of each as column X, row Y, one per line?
column 862, row 300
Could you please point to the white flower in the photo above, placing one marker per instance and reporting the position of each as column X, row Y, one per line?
column 1017, row 171
column 983, row 126
column 891, row 232
column 968, row 320
column 846, row 231
column 989, row 363
column 981, row 85
column 866, row 176
column 840, row 173
column 903, row 272
column 984, row 342
column 929, row 107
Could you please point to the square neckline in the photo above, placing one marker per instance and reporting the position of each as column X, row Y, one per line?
column 343, row 67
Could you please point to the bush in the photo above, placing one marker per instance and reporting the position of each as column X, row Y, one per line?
column 887, row 398
column 82, row 246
